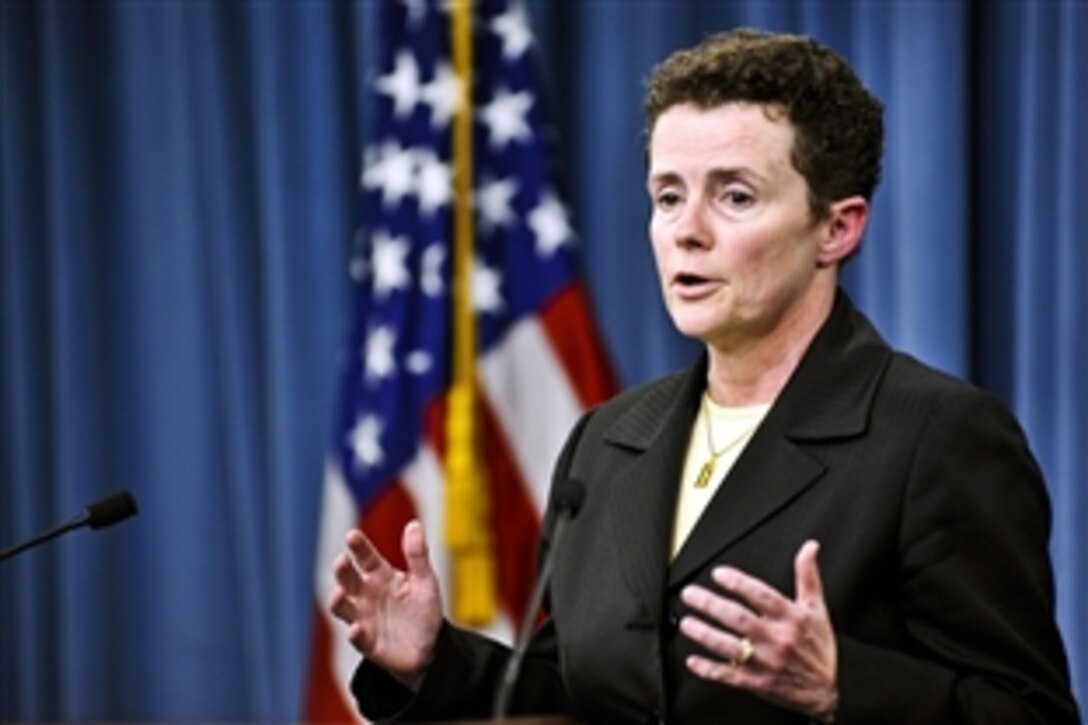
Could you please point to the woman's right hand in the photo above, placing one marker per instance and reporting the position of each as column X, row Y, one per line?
column 393, row 616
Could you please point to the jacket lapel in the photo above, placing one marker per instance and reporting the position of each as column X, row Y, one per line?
column 643, row 492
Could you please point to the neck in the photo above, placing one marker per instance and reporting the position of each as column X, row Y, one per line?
column 754, row 372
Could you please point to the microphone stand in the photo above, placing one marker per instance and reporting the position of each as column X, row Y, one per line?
column 41, row 538
column 525, row 632
column 568, row 501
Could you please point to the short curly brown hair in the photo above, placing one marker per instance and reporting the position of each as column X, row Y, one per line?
column 838, row 122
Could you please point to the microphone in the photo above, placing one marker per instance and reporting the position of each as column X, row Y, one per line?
column 569, row 495
column 99, row 514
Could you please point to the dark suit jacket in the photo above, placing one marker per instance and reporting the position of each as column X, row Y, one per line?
column 933, row 522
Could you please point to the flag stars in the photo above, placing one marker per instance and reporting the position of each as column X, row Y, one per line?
column 430, row 278
column 434, row 183
column 550, row 225
column 419, row 362
column 493, row 202
column 402, row 84
column 443, row 95
column 399, row 172
column 505, row 117
column 378, row 360
column 365, row 441
column 391, row 169
column 486, row 284
column 513, row 27
column 388, row 263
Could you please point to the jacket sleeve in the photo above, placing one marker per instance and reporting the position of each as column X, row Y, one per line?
column 976, row 589
column 461, row 681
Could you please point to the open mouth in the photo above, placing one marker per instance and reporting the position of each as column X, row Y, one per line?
column 690, row 286
column 689, row 280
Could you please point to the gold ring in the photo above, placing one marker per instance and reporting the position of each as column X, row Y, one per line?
column 745, row 654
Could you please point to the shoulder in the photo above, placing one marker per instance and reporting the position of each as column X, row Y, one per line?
column 964, row 440
column 916, row 385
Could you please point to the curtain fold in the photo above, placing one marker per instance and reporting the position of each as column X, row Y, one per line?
column 177, row 211
column 1035, row 351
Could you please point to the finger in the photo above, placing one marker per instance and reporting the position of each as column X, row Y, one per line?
column 718, row 671
column 728, row 612
column 339, row 604
column 810, row 588
column 414, row 545
column 724, row 645
column 709, row 669
column 698, row 631
column 365, row 553
column 347, row 576
column 361, row 637
column 761, row 598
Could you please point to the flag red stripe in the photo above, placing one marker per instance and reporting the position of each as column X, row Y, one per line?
column 384, row 519
column 514, row 521
column 569, row 323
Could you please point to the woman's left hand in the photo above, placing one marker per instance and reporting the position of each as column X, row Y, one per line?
column 758, row 640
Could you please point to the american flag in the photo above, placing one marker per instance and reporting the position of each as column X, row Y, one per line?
column 536, row 361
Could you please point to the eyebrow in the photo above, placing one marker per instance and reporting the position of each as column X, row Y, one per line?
column 662, row 179
column 716, row 175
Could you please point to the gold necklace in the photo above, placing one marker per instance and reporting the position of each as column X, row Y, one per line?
column 707, row 470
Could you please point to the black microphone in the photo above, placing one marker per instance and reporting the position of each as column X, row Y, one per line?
column 104, row 512
column 569, row 495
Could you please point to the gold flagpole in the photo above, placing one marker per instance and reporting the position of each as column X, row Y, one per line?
column 468, row 530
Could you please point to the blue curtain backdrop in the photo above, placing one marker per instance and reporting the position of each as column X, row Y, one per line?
column 177, row 209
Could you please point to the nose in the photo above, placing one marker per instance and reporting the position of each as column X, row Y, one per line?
column 690, row 229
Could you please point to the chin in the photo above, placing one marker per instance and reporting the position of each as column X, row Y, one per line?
column 692, row 326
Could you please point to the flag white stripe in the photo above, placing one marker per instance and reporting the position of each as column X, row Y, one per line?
column 533, row 398
column 338, row 516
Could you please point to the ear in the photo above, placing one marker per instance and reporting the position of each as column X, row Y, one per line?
column 844, row 228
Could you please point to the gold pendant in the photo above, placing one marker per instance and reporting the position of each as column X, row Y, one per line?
column 705, row 473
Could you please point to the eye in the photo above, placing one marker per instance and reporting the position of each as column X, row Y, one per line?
column 738, row 198
column 666, row 199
